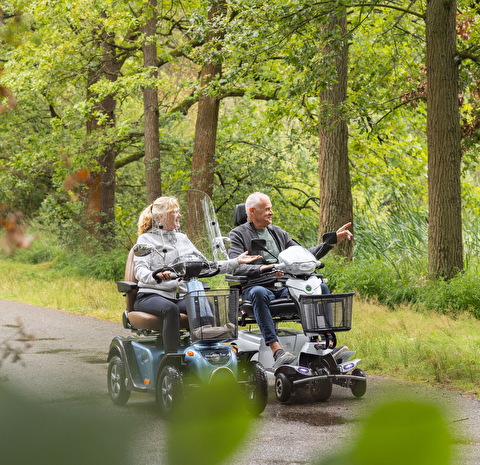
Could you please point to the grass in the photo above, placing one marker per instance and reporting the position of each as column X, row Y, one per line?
column 417, row 346
column 42, row 285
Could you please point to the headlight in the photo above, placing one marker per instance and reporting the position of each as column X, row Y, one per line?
column 303, row 267
column 217, row 357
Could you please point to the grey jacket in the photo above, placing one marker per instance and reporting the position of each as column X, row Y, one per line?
column 169, row 245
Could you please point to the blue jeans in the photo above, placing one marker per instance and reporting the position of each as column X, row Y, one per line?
column 261, row 297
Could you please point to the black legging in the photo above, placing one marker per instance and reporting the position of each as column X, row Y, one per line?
column 169, row 311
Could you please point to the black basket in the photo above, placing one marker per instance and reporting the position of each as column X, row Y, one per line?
column 326, row 312
column 213, row 314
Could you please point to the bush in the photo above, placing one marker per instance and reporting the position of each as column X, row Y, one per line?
column 377, row 280
column 461, row 293
column 73, row 259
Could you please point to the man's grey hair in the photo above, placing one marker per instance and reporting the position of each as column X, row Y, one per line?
column 253, row 200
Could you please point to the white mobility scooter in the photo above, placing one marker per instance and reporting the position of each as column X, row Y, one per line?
column 319, row 363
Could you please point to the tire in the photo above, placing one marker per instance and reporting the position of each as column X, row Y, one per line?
column 321, row 389
column 359, row 387
column 283, row 387
column 169, row 389
column 116, row 381
column 257, row 388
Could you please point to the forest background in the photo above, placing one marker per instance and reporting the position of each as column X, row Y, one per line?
column 340, row 111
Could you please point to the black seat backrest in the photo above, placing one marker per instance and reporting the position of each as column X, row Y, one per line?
column 130, row 277
column 239, row 214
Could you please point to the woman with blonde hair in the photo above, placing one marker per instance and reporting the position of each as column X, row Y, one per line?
column 162, row 294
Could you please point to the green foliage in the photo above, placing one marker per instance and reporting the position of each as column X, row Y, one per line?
column 209, row 425
column 462, row 293
column 390, row 261
column 253, row 156
column 70, row 256
column 395, row 432
column 58, row 434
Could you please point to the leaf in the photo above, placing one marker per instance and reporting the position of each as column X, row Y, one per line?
column 399, row 432
column 209, row 424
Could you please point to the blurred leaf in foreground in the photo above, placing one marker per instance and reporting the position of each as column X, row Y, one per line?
column 46, row 434
column 400, row 432
column 209, row 424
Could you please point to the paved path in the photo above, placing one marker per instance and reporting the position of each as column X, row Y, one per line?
column 65, row 366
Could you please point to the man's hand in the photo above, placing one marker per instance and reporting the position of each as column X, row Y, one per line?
column 343, row 233
column 266, row 268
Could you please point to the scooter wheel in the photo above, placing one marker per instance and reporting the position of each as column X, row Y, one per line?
column 257, row 388
column 283, row 387
column 359, row 387
column 321, row 389
column 169, row 389
column 116, row 381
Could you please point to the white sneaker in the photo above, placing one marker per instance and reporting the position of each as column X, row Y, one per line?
column 283, row 358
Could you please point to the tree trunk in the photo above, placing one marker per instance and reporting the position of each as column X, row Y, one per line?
column 336, row 204
column 150, row 104
column 203, row 159
column 101, row 183
column 445, row 255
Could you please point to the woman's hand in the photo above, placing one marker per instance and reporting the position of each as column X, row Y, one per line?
column 164, row 276
column 245, row 258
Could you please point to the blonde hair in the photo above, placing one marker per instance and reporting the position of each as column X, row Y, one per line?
column 158, row 209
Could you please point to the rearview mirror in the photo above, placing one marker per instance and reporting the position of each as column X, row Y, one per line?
column 142, row 250
column 258, row 245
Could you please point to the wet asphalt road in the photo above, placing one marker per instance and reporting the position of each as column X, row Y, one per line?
column 66, row 365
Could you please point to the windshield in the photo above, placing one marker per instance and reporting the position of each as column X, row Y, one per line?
column 199, row 223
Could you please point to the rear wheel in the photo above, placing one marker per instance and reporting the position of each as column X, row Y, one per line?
column 169, row 390
column 283, row 387
column 116, row 380
column 359, row 386
column 257, row 388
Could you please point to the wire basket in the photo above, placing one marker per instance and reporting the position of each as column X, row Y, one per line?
column 326, row 312
column 213, row 314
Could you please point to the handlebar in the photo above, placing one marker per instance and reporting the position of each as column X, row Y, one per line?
column 161, row 270
column 189, row 269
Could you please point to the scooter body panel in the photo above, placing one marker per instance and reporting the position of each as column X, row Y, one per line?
column 297, row 287
column 251, row 340
column 144, row 358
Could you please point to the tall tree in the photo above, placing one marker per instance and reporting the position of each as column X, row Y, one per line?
column 336, row 204
column 203, row 158
column 153, row 179
column 445, row 257
column 101, row 182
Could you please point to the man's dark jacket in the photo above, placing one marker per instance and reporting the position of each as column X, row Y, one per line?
column 241, row 237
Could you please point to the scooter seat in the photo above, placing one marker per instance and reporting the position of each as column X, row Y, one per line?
column 143, row 321
column 280, row 309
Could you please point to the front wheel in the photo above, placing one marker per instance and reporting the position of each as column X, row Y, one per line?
column 257, row 388
column 320, row 389
column 359, row 386
column 283, row 387
column 169, row 390
column 116, row 381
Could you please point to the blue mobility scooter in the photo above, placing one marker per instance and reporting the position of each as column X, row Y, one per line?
column 139, row 363
column 319, row 363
